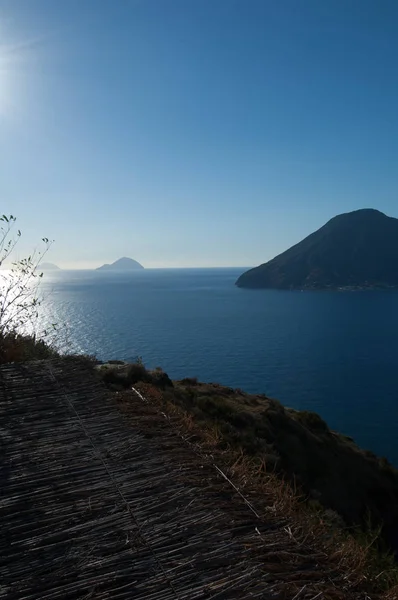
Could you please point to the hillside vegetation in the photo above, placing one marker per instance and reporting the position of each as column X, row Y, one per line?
column 329, row 468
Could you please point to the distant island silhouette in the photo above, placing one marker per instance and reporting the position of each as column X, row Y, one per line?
column 47, row 266
column 355, row 250
column 122, row 264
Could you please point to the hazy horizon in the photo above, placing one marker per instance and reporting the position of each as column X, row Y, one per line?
column 149, row 268
column 208, row 133
column 93, row 266
column 83, row 266
column 78, row 267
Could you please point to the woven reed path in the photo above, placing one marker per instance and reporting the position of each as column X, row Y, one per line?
column 93, row 505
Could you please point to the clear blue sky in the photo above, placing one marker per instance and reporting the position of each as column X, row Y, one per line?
column 194, row 132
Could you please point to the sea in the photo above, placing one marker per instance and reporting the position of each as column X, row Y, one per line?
column 335, row 353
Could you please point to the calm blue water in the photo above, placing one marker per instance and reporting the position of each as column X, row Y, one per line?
column 333, row 353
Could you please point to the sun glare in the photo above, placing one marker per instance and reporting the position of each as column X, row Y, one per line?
column 10, row 72
column 6, row 55
column 3, row 79
column 15, row 62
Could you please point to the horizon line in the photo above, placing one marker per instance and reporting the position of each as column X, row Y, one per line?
column 5, row 268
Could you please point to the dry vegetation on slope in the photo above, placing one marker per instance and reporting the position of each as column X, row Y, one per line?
column 321, row 480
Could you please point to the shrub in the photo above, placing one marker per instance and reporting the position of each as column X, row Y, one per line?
column 17, row 348
column 160, row 379
column 189, row 381
column 123, row 376
column 137, row 372
column 216, row 408
column 20, row 301
column 19, row 286
column 119, row 376
column 311, row 420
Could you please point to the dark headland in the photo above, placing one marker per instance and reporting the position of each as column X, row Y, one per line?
column 356, row 250
column 122, row 264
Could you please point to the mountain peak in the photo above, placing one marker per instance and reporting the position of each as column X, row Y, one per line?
column 122, row 264
column 370, row 213
column 358, row 249
column 47, row 266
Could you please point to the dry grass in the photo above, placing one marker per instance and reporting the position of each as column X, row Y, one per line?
column 118, row 376
column 331, row 470
column 392, row 594
column 15, row 347
column 358, row 557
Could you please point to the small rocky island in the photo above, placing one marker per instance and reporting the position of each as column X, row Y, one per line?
column 356, row 250
column 123, row 264
column 47, row 266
